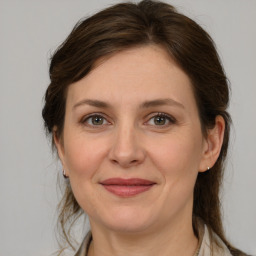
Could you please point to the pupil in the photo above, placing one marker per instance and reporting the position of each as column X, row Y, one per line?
column 159, row 120
column 97, row 120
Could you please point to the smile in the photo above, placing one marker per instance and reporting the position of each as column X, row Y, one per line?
column 127, row 187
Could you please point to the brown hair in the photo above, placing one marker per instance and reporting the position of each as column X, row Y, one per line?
column 127, row 25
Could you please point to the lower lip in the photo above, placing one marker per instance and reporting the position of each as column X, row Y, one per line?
column 127, row 191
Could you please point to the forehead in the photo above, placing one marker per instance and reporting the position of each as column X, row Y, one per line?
column 137, row 74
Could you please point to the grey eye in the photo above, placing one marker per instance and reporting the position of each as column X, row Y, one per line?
column 95, row 120
column 160, row 120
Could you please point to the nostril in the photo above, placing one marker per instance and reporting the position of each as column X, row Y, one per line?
column 124, row 163
column 114, row 161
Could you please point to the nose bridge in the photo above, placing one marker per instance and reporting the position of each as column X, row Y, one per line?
column 126, row 148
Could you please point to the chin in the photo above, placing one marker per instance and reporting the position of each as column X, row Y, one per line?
column 124, row 226
column 128, row 220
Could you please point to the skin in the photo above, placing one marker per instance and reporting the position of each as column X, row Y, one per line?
column 129, row 143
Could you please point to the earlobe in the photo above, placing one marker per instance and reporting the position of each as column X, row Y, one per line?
column 213, row 144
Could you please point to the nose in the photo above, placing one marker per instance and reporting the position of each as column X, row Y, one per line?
column 127, row 148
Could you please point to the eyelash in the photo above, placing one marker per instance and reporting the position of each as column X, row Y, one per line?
column 85, row 119
column 170, row 119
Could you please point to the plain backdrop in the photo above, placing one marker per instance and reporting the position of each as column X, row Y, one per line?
column 30, row 30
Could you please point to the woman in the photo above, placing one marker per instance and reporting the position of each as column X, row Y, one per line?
column 137, row 110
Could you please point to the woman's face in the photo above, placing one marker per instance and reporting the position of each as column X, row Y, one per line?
column 132, row 144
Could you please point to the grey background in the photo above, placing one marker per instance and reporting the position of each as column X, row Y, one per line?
column 30, row 31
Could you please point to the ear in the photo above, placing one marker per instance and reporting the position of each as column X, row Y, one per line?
column 58, row 141
column 212, row 144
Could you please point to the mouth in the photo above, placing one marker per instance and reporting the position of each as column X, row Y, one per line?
column 127, row 187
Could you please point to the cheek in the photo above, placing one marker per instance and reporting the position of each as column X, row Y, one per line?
column 177, row 157
column 83, row 158
column 84, row 155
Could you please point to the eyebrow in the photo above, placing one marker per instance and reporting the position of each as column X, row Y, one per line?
column 94, row 103
column 161, row 102
column 146, row 104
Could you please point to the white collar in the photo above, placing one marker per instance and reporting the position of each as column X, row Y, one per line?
column 206, row 245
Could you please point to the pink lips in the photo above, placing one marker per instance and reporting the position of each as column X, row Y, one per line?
column 127, row 187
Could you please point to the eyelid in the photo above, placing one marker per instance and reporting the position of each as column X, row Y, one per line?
column 86, row 117
column 171, row 119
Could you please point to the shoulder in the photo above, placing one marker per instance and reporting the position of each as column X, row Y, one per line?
column 212, row 246
column 83, row 250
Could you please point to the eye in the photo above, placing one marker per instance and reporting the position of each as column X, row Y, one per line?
column 95, row 120
column 161, row 119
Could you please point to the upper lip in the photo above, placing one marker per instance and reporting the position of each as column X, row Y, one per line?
column 127, row 182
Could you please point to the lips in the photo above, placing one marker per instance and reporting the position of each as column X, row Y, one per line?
column 127, row 187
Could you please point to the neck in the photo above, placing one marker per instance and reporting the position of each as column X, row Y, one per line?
column 175, row 239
